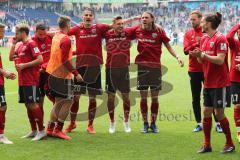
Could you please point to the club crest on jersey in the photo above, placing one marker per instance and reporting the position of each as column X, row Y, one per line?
column 43, row 46
column 154, row 35
column 94, row 31
column 211, row 44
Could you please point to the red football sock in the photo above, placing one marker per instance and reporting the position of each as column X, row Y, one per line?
column 144, row 110
column 51, row 125
column 110, row 105
column 37, row 114
column 226, row 130
column 91, row 112
column 31, row 120
column 2, row 121
column 237, row 116
column 74, row 111
column 59, row 126
column 154, row 111
column 126, row 109
column 207, row 126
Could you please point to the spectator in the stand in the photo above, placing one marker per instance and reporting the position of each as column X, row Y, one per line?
column 175, row 38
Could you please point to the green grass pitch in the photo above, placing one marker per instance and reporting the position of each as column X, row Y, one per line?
column 174, row 142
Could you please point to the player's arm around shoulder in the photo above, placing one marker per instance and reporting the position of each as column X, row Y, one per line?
column 230, row 35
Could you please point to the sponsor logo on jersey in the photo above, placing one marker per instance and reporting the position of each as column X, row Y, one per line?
column 116, row 39
column 21, row 54
column 208, row 52
column 88, row 36
column 147, row 40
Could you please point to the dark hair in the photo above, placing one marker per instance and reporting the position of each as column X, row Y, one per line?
column 214, row 18
column 197, row 12
column 116, row 18
column 41, row 26
column 2, row 25
column 63, row 21
column 23, row 28
column 89, row 9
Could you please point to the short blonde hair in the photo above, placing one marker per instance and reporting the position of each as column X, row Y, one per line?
column 197, row 12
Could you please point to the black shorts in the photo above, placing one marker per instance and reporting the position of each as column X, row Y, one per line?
column 59, row 87
column 117, row 79
column 42, row 82
column 149, row 78
column 2, row 97
column 235, row 92
column 28, row 94
column 92, row 81
column 217, row 97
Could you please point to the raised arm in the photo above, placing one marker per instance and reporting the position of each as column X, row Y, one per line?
column 230, row 35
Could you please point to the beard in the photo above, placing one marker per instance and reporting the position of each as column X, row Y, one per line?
column 195, row 25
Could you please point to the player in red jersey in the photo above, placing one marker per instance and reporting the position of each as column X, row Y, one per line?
column 118, row 43
column 44, row 42
column 27, row 59
column 150, row 40
column 3, row 104
column 234, row 45
column 89, row 58
column 195, row 71
column 213, row 54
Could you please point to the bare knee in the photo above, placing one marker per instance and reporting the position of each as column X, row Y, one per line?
column 219, row 113
column 207, row 112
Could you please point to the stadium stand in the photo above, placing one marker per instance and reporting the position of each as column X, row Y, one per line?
column 172, row 16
